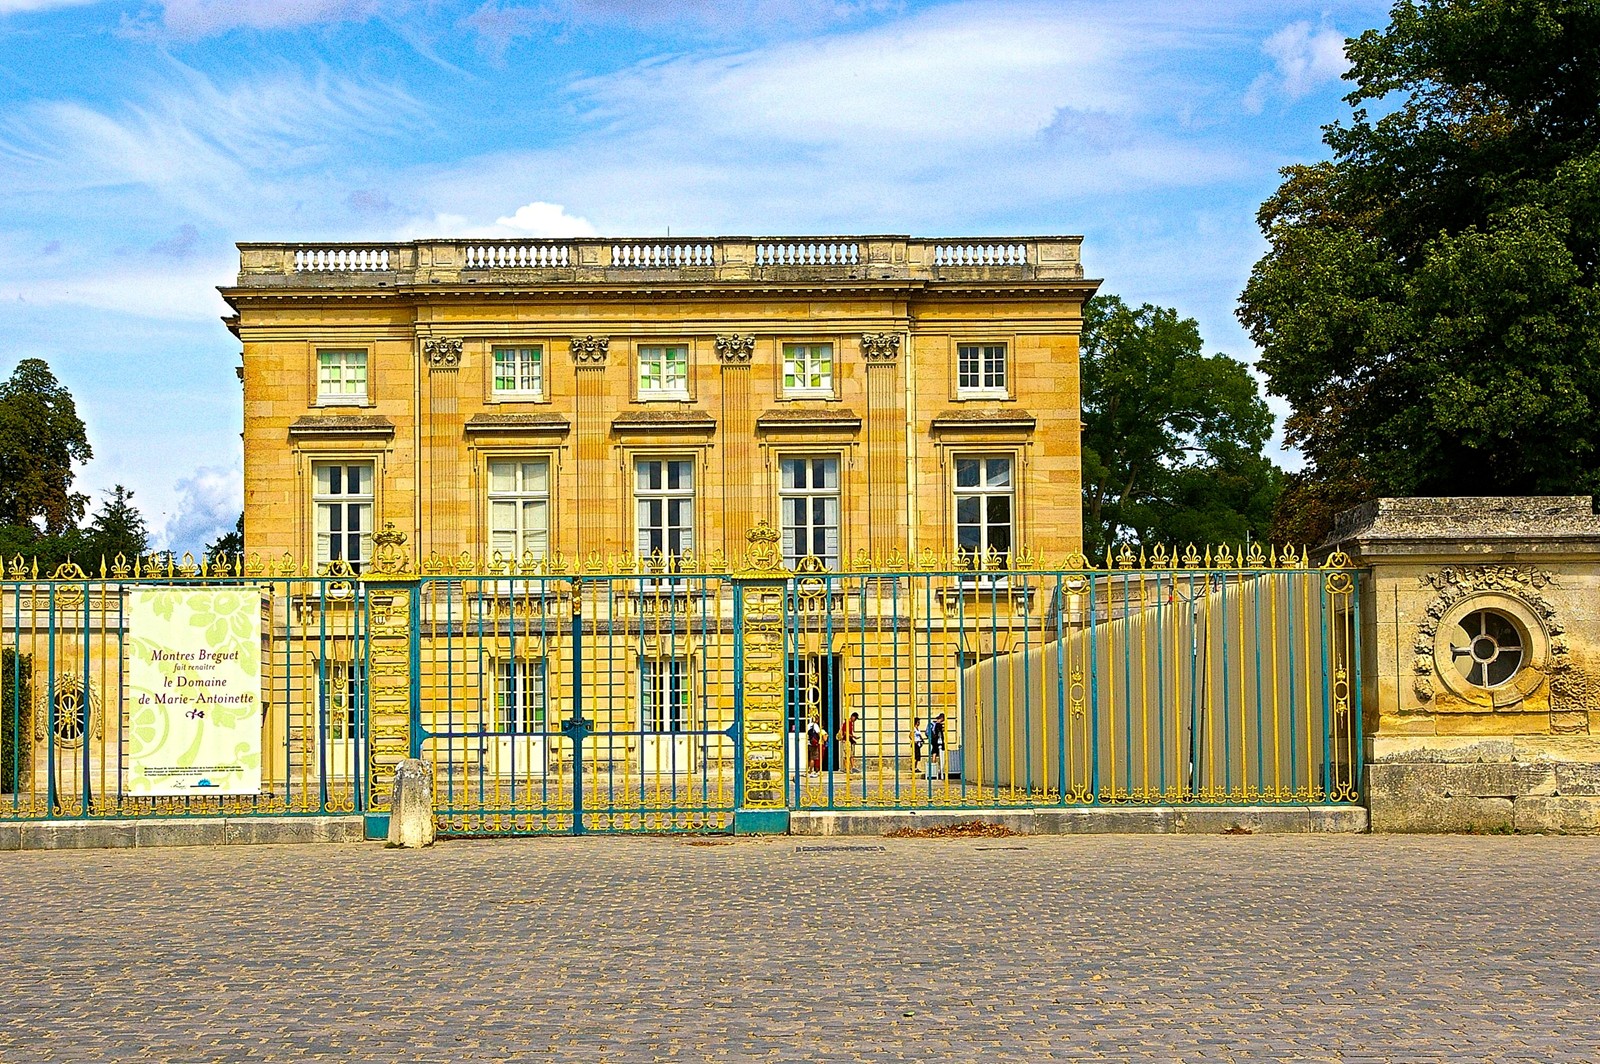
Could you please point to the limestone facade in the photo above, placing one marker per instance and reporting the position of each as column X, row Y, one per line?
column 1481, row 621
column 436, row 378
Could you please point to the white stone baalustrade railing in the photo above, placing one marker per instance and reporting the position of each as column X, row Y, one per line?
column 341, row 260
column 663, row 256
column 810, row 253
column 980, row 254
column 519, row 256
column 731, row 258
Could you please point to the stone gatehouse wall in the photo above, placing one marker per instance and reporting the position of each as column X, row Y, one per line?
column 1481, row 662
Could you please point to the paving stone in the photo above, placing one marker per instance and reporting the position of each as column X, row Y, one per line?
column 1338, row 948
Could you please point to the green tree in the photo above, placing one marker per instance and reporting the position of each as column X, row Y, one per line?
column 118, row 528
column 228, row 544
column 16, row 719
column 1430, row 301
column 41, row 437
column 1172, row 437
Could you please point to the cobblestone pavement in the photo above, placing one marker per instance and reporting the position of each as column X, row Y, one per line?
column 1348, row 948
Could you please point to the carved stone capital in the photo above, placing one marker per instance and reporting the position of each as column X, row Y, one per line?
column 736, row 349
column 442, row 352
column 590, row 350
column 880, row 347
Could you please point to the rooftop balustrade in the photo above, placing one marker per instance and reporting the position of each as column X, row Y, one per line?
column 696, row 259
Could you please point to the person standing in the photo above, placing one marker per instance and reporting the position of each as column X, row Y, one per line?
column 816, row 742
column 849, row 734
column 936, row 739
column 918, row 738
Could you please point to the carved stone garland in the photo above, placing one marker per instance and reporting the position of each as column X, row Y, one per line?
column 590, row 350
column 880, row 347
column 1454, row 584
column 442, row 352
column 735, row 348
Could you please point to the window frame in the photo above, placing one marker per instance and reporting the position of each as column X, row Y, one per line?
column 652, row 694
column 983, row 492
column 518, row 394
column 983, row 389
column 828, row 391
column 490, row 497
column 678, row 395
column 319, row 398
column 636, row 495
column 836, row 493
column 319, row 500
column 519, row 716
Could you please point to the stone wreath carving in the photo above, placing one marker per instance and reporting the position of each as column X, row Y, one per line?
column 1455, row 584
column 736, row 348
column 442, row 352
column 590, row 350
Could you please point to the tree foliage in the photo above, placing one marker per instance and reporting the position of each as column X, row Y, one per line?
column 41, row 436
column 1172, row 437
column 1430, row 301
column 229, row 544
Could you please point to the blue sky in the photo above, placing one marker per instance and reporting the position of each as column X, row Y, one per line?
column 139, row 141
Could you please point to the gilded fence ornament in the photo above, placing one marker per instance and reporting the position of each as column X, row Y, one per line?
column 285, row 565
column 762, row 556
column 389, row 554
column 188, row 568
column 1255, row 558
column 1125, row 558
column 253, row 565
column 1223, row 559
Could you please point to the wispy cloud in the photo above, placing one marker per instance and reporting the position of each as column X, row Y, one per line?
column 193, row 19
column 15, row 7
column 537, row 219
column 1303, row 60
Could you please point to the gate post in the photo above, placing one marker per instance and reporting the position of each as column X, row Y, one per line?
column 393, row 706
column 758, row 592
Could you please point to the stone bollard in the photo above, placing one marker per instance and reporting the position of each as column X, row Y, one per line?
column 411, row 807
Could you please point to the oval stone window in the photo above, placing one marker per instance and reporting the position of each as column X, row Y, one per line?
column 1487, row 648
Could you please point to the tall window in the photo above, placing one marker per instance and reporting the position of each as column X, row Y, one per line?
column 519, row 508
column 663, row 694
column 664, row 498
column 808, row 498
column 981, row 368
column 984, row 509
column 519, row 704
column 663, row 370
column 341, row 376
column 342, row 499
column 519, row 371
column 808, row 369
column 341, row 691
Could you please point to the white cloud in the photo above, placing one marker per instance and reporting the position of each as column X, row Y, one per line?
column 536, row 219
column 208, row 504
column 13, row 7
column 1303, row 60
column 193, row 19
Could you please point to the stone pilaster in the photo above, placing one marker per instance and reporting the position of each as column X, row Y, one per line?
column 443, row 481
column 591, row 430
column 885, row 432
column 737, row 441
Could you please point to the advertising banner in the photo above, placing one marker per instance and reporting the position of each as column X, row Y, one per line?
column 194, row 691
